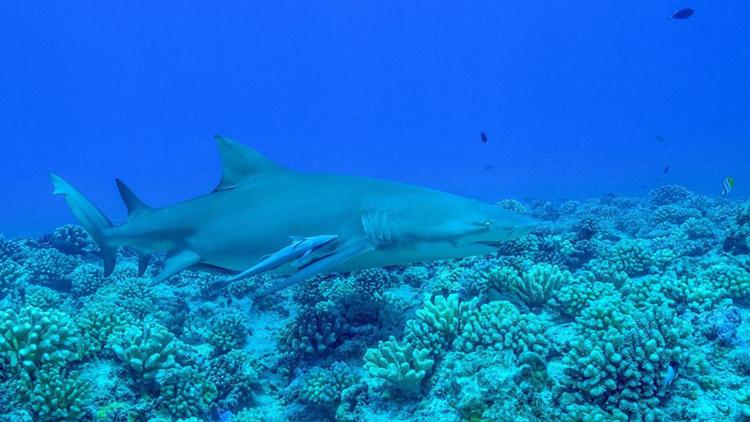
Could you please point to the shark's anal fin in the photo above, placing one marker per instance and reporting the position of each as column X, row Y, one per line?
column 342, row 254
column 176, row 262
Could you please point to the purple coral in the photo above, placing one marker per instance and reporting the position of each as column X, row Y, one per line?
column 721, row 325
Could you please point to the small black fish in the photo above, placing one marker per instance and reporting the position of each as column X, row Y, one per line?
column 683, row 13
column 483, row 136
column 666, row 169
column 488, row 166
column 660, row 138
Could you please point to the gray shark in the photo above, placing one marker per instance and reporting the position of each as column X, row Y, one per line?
column 335, row 222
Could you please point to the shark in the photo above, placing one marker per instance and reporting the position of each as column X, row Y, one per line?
column 264, row 217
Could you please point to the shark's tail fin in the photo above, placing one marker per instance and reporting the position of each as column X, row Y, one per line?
column 90, row 217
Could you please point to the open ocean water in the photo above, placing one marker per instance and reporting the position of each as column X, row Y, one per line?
column 375, row 211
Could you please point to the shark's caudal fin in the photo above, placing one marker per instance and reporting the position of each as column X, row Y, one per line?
column 90, row 217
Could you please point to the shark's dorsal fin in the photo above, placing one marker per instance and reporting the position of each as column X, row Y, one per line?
column 240, row 163
column 132, row 202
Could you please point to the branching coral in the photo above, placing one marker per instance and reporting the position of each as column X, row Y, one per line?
column 535, row 286
column 186, row 393
column 401, row 364
column 136, row 296
column 12, row 250
column 52, row 394
column 737, row 239
column 575, row 296
column 513, row 206
column 236, row 377
column 146, row 351
column 72, row 239
column 621, row 355
column 86, row 279
column 630, row 256
column 674, row 214
column 669, row 194
column 11, row 274
column 99, row 322
column 499, row 325
column 315, row 330
column 323, row 387
column 228, row 331
column 33, row 337
column 438, row 322
column 50, row 267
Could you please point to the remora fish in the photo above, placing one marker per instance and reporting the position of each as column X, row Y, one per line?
column 245, row 223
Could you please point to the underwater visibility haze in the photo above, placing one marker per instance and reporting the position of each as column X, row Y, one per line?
column 432, row 211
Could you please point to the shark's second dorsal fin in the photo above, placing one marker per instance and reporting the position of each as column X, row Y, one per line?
column 132, row 202
column 240, row 163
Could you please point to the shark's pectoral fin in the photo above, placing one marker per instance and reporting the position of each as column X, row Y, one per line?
column 176, row 262
column 340, row 255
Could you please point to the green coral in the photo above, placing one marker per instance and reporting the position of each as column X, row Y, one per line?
column 575, row 296
column 146, row 350
column 99, row 322
column 438, row 322
column 632, row 257
column 513, row 205
column 42, row 297
column 499, row 325
column 187, row 393
column 400, row 364
column 86, row 279
column 33, row 337
column 323, row 387
column 228, row 331
column 648, row 291
column 50, row 267
column 52, row 394
column 732, row 279
column 534, row 286
column 605, row 271
column 674, row 214
column 136, row 296
column 236, row 377
column 737, row 239
column 620, row 355
column 11, row 274
column 317, row 329
column 691, row 291
column 743, row 404
column 698, row 228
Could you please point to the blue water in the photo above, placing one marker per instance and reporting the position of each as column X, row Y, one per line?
column 611, row 125
column 577, row 99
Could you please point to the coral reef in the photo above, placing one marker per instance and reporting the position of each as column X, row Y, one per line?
column 615, row 308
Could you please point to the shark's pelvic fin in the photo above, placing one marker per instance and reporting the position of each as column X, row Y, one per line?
column 340, row 255
column 132, row 202
column 176, row 262
column 240, row 163
column 300, row 248
column 143, row 261
column 90, row 217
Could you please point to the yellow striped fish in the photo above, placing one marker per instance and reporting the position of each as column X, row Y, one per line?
column 727, row 185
